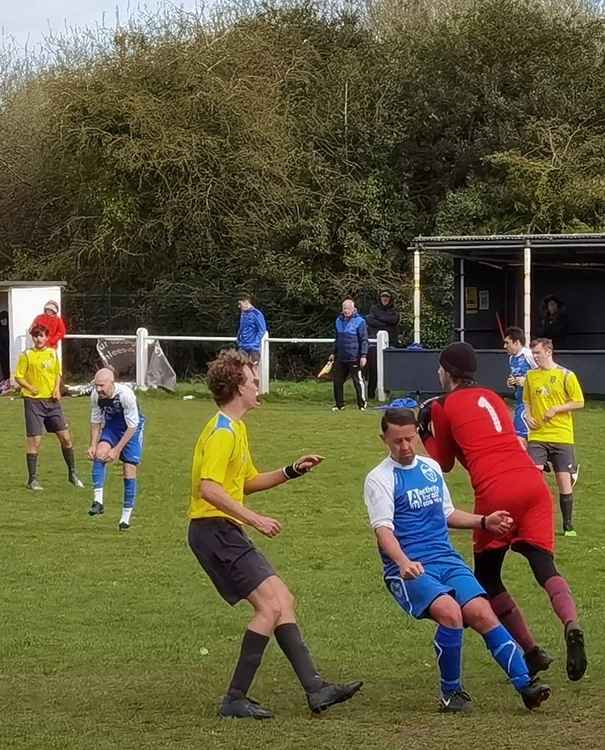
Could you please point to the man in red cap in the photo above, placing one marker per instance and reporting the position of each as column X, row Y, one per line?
column 472, row 424
column 53, row 322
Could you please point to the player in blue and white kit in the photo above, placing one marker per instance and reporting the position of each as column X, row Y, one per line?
column 410, row 510
column 521, row 361
column 116, row 431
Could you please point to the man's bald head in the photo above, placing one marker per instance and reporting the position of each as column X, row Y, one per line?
column 104, row 381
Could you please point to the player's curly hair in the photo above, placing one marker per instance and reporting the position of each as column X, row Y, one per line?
column 226, row 373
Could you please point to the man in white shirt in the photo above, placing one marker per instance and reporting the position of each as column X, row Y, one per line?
column 116, row 432
column 410, row 509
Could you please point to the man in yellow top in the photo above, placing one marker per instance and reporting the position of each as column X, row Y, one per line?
column 223, row 474
column 39, row 375
column 550, row 394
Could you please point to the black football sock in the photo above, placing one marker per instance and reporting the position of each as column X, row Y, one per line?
column 32, row 466
column 566, row 505
column 253, row 647
column 292, row 643
column 69, row 458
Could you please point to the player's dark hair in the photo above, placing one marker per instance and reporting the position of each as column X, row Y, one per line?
column 226, row 374
column 515, row 334
column 400, row 417
column 38, row 329
column 246, row 297
column 546, row 343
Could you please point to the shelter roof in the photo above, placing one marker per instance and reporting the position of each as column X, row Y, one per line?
column 560, row 250
column 32, row 284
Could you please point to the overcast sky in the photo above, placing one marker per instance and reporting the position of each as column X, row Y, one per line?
column 27, row 21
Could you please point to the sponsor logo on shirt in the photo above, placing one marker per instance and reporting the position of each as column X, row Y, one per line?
column 423, row 497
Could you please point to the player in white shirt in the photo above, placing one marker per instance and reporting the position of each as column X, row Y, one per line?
column 410, row 509
column 116, row 432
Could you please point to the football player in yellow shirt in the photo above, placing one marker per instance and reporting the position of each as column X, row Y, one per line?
column 39, row 375
column 551, row 393
column 223, row 475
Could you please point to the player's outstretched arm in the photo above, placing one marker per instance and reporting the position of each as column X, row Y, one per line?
column 216, row 495
column 498, row 523
column 268, row 479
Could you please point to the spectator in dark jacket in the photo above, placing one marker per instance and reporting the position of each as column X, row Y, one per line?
column 4, row 347
column 350, row 355
column 382, row 317
column 553, row 321
column 252, row 328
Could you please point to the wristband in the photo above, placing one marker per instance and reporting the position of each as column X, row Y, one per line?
column 292, row 472
column 483, row 524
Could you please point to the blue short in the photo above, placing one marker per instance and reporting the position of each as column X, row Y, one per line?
column 451, row 576
column 521, row 426
column 132, row 452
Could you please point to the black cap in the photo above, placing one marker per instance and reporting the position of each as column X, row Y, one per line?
column 459, row 360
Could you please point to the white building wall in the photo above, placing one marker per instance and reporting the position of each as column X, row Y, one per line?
column 24, row 303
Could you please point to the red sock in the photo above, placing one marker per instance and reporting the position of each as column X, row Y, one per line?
column 561, row 599
column 512, row 618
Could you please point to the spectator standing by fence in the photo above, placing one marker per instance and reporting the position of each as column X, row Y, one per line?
column 382, row 317
column 53, row 322
column 252, row 328
column 350, row 355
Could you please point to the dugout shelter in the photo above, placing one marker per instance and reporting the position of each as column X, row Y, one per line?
column 500, row 281
column 23, row 300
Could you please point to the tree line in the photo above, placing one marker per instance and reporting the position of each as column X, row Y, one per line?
column 293, row 149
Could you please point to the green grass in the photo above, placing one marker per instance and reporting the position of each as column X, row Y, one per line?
column 103, row 637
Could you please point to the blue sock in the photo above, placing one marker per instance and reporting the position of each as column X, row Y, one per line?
column 448, row 647
column 98, row 474
column 508, row 655
column 130, row 493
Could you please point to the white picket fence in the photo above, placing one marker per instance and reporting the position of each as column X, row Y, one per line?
column 144, row 339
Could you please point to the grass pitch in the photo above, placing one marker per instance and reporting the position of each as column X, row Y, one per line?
column 118, row 641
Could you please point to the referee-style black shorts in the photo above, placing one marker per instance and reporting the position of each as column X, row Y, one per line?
column 228, row 556
column 41, row 414
column 561, row 455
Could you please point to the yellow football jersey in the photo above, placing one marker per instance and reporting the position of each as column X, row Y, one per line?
column 222, row 455
column 544, row 389
column 41, row 368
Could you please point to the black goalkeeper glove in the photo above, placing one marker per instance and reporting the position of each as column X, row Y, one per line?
column 424, row 420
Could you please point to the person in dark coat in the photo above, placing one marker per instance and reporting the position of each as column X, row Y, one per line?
column 553, row 321
column 4, row 347
column 382, row 317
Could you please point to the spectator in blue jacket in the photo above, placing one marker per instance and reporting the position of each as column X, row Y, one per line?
column 252, row 328
column 350, row 355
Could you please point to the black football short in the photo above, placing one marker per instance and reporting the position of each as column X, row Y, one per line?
column 43, row 414
column 228, row 556
column 561, row 456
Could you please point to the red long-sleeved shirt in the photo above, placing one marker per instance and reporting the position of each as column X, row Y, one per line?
column 55, row 325
column 473, row 424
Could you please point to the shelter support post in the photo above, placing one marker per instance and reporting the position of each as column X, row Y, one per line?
column 416, row 296
column 527, row 291
column 462, row 302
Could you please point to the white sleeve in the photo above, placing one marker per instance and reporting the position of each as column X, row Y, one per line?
column 96, row 415
column 380, row 504
column 529, row 358
column 448, row 505
column 129, row 404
